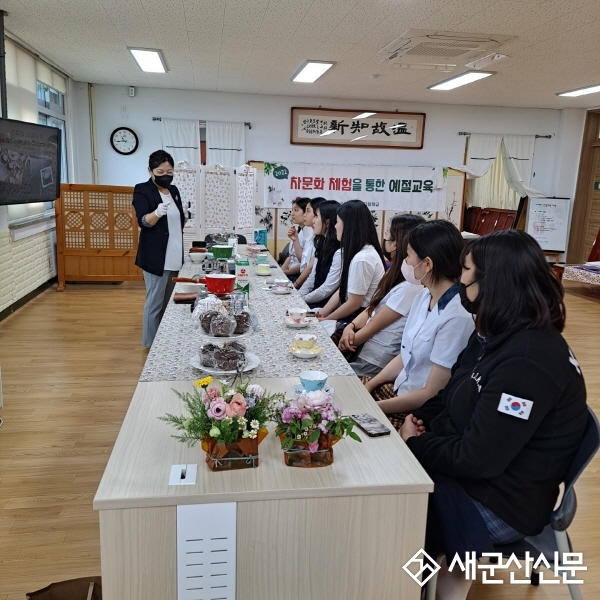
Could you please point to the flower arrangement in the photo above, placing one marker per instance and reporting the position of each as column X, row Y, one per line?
column 229, row 422
column 308, row 426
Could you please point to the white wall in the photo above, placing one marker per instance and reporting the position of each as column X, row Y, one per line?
column 269, row 137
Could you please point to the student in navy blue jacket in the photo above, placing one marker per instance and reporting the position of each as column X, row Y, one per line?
column 160, row 216
column 499, row 439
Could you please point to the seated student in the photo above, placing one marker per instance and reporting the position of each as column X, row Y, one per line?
column 437, row 328
column 292, row 267
column 378, row 328
column 308, row 251
column 362, row 264
column 501, row 467
column 324, row 277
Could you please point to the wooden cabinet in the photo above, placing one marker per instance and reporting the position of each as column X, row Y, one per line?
column 97, row 234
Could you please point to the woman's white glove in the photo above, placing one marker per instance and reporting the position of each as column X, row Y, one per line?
column 161, row 210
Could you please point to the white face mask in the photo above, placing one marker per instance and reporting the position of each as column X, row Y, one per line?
column 409, row 272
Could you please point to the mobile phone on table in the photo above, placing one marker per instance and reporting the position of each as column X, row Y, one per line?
column 370, row 425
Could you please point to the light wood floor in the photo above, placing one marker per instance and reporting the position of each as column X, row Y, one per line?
column 70, row 362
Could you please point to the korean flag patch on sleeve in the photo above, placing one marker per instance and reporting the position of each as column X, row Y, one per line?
column 516, row 407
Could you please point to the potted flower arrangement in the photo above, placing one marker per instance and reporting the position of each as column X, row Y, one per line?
column 228, row 422
column 308, row 427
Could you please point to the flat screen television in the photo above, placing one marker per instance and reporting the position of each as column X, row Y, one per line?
column 29, row 162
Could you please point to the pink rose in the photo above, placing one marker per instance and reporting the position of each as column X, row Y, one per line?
column 317, row 399
column 217, row 409
column 213, row 393
column 237, row 406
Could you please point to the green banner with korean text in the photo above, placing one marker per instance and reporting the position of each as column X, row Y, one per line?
column 411, row 189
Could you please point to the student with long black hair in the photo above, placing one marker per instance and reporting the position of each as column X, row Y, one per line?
column 362, row 263
column 500, row 438
column 374, row 337
column 436, row 330
column 324, row 278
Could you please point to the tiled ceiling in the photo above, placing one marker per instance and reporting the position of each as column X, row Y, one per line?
column 255, row 46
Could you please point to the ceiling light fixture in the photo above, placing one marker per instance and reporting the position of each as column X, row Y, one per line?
column 149, row 60
column 360, row 137
column 591, row 89
column 364, row 115
column 311, row 70
column 458, row 80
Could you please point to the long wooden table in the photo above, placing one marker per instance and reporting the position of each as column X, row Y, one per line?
column 283, row 533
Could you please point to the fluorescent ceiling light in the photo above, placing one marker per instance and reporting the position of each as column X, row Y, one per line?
column 458, row 80
column 150, row 61
column 360, row 137
column 311, row 70
column 328, row 132
column 364, row 115
column 592, row 89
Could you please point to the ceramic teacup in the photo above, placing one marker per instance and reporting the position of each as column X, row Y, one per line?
column 313, row 380
column 298, row 315
column 306, row 340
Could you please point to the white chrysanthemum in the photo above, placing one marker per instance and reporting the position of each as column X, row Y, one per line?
column 254, row 424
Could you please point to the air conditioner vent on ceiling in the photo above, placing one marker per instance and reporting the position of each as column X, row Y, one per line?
column 428, row 43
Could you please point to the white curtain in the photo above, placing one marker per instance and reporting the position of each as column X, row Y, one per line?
column 181, row 139
column 491, row 190
column 517, row 160
column 481, row 154
column 225, row 144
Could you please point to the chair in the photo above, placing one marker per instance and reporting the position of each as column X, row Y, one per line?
column 554, row 537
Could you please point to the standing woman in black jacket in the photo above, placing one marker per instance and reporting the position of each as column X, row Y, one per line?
column 160, row 215
column 499, row 439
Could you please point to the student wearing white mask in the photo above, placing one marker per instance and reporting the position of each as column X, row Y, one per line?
column 437, row 328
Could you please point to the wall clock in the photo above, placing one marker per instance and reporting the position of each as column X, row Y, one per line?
column 124, row 140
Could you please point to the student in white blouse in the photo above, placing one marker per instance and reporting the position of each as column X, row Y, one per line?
column 299, row 238
column 378, row 328
column 437, row 328
column 324, row 278
column 308, row 251
column 362, row 263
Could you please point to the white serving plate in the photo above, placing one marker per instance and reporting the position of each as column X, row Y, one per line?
column 281, row 292
column 252, row 361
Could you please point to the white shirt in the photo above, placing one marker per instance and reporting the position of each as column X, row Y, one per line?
column 308, row 247
column 431, row 337
column 365, row 273
column 305, row 239
column 384, row 345
column 174, row 254
column 329, row 286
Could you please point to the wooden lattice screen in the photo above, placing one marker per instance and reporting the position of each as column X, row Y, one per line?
column 97, row 234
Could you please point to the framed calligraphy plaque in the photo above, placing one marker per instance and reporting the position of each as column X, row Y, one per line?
column 343, row 127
